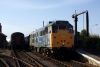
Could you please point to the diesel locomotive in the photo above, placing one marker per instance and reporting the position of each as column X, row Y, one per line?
column 54, row 39
column 17, row 40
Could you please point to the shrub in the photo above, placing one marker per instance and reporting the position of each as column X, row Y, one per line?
column 91, row 42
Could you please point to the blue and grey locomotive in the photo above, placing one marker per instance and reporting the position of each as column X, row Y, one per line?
column 56, row 38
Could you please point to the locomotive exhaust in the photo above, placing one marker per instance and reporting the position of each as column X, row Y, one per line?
column 43, row 23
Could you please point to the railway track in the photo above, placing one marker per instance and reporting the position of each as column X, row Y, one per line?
column 41, row 62
column 71, row 63
column 33, row 59
column 19, row 61
column 50, row 60
column 21, row 55
column 9, row 62
column 3, row 63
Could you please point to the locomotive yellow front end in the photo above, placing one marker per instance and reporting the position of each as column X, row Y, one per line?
column 62, row 38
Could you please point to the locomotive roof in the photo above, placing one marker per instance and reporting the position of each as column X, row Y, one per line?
column 50, row 24
column 45, row 26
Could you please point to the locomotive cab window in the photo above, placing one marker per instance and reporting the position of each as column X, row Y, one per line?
column 54, row 29
column 70, row 30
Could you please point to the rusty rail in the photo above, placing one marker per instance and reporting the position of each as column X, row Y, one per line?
column 54, row 60
column 33, row 60
column 25, row 63
column 4, row 62
column 15, row 59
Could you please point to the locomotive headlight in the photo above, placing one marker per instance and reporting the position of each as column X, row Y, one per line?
column 51, row 51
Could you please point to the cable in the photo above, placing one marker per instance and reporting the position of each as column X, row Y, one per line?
column 83, row 21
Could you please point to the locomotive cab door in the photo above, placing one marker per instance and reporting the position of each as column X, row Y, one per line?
column 47, row 36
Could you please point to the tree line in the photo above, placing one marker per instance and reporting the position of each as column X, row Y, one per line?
column 91, row 42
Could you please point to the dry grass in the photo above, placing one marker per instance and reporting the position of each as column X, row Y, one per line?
column 2, row 51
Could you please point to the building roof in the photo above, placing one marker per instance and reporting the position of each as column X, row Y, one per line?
column 3, row 34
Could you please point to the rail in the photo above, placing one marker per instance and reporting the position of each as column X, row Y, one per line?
column 33, row 60
column 4, row 62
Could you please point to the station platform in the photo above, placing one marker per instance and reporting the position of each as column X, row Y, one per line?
column 92, row 59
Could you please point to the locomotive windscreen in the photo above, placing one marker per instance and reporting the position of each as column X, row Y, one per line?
column 64, row 25
column 54, row 29
column 62, row 22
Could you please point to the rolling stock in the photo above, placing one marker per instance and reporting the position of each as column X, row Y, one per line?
column 54, row 39
column 27, row 41
column 17, row 40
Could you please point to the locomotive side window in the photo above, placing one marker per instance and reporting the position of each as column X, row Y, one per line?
column 46, row 30
column 33, row 35
column 49, row 31
column 43, row 32
column 37, row 34
column 54, row 29
column 33, row 40
column 40, row 33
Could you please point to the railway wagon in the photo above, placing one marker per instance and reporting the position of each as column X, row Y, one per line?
column 27, row 42
column 54, row 39
column 17, row 40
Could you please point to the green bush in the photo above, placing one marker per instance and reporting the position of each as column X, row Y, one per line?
column 91, row 42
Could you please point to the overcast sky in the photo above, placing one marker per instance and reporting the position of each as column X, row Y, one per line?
column 27, row 15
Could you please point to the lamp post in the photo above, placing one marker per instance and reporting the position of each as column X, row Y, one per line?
column 93, row 25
